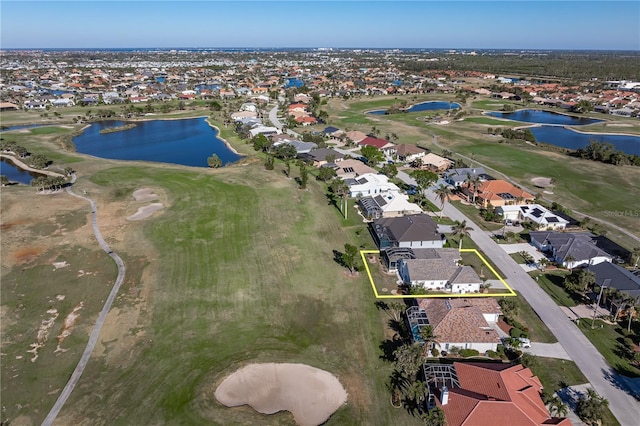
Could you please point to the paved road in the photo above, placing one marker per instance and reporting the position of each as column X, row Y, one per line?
column 604, row 380
column 95, row 333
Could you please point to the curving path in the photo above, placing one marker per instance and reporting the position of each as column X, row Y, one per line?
column 95, row 333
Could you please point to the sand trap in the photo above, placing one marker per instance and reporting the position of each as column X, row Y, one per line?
column 310, row 394
column 541, row 182
column 144, row 194
column 146, row 211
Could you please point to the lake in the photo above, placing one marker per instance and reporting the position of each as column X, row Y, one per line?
column 422, row 106
column 188, row 142
column 23, row 126
column 567, row 138
column 543, row 117
column 14, row 173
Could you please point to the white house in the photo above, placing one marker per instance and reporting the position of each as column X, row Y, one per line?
column 264, row 130
column 370, row 184
column 388, row 204
column 440, row 274
column 543, row 218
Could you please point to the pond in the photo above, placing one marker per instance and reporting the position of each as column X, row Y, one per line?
column 422, row 106
column 567, row 138
column 543, row 117
column 22, row 127
column 14, row 173
column 188, row 142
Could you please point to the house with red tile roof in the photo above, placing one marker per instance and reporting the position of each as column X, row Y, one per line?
column 499, row 193
column 485, row 394
column 462, row 323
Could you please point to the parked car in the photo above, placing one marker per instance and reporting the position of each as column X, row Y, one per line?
column 525, row 343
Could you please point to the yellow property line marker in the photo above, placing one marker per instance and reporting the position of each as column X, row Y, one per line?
column 510, row 292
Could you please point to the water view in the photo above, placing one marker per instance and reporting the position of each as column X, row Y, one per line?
column 187, row 142
column 567, row 138
column 422, row 106
column 14, row 173
column 543, row 117
column 21, row 127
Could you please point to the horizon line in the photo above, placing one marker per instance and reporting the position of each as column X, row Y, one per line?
column 322, row 47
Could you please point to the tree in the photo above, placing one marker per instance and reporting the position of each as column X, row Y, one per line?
column 350, row 257
column 409, row 359
column 326, row 173
column 636, row 253
column 461, row 229
column 444, row 194
column 286, row 151
column 569, row 259
column 261, row 143
column 557, row 408
column 304, row 176
column 390, row 170
column 372, row 154
column 590, row 408
column 214, row 161
column 427, row 338
column 435, row 417
column 268, row 164
column 375, row 131
column 341, row 189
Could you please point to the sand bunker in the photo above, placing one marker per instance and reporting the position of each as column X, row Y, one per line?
column 310, row 394
column 144, row 194
column 146, row 211
column 542, row 182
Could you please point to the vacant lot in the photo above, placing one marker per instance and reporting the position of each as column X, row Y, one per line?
column 237, row 268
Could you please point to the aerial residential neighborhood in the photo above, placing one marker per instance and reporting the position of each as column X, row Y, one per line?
column 318, row 235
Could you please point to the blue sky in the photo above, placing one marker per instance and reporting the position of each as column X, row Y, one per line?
column 610, row 25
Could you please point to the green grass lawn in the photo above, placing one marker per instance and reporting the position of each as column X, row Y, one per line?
column 607, row 338
column 551, row 283
column 518, row 258
column 235, row 288
column 473, row 213
column 538, row 331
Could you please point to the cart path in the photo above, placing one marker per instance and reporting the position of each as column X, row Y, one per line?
column 95, row 333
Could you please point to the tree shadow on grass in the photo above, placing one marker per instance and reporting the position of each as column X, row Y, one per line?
column 389, row 347
column 337, row 257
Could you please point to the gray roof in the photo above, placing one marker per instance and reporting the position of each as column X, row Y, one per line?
column 413, row 227
column 580, row 245
column 614, row 276
column 440, row 269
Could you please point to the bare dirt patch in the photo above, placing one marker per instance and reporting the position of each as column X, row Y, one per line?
column 27, row 254
column 146, row 211
column 310, row 394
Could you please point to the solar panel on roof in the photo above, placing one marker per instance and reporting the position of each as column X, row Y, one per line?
column 506, row 196
column 552, row 219
column 537, row 212
column 348, row 169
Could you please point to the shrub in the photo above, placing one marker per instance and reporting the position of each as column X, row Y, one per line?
column 435, row 352
column 468, row 352
column 454, row 350
column 492, row 354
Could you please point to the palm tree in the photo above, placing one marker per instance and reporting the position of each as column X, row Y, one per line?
column 557, row 408
column 636, row 252
column 340, row 188
column 444, row 194
column 428, row 339
column 409, row 359
column 569, row 259
column 461, row 229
